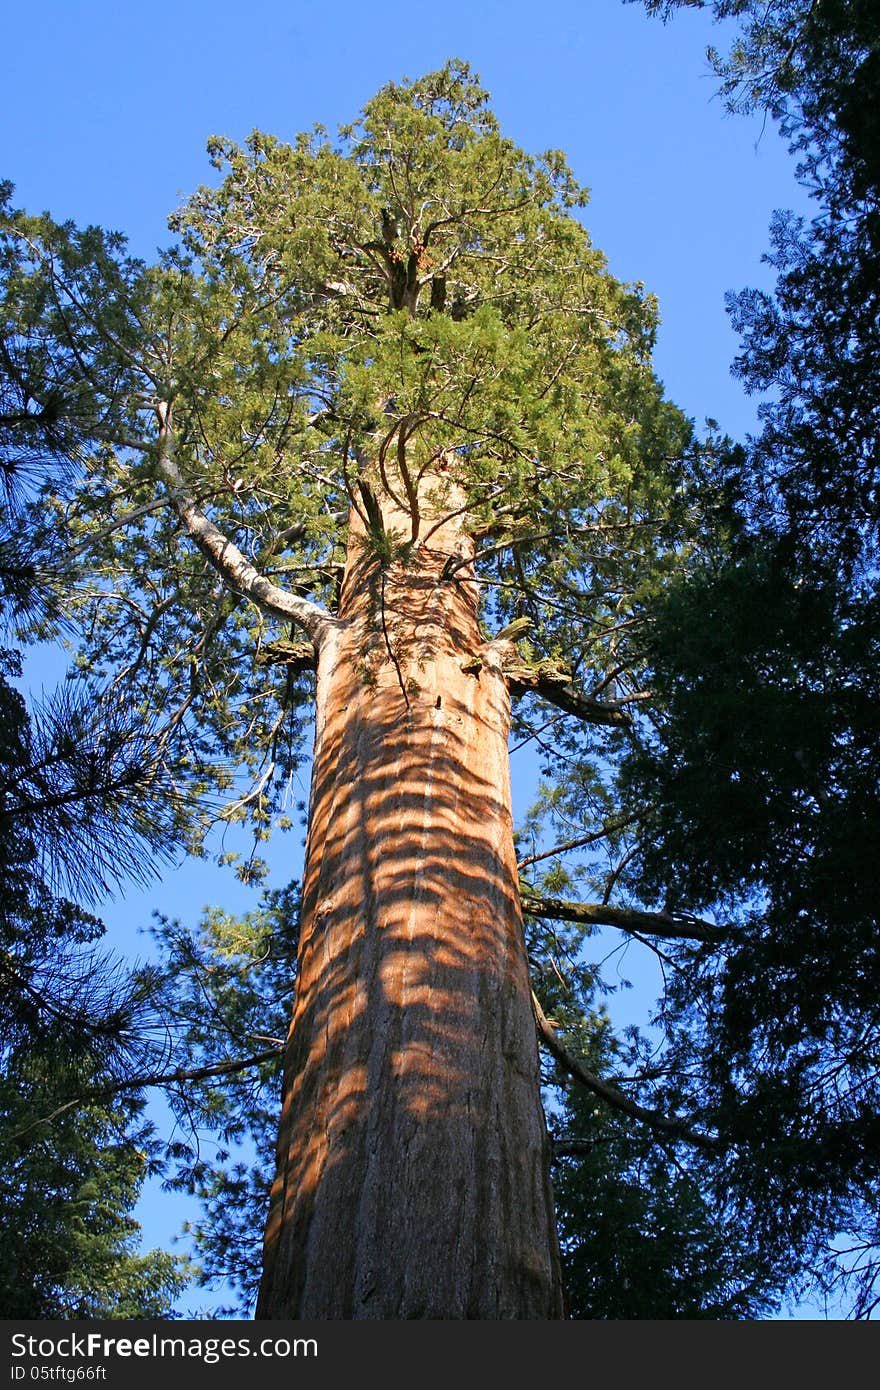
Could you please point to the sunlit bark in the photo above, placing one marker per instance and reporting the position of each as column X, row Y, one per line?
column 412, row 1176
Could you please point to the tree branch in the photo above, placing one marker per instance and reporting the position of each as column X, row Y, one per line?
column 170, row 1078
column 572, row 1148
column 234, row 568
column 626, row 918
column 672, row 1128
column 582, row 841
column 173, row 1078
column 554, row 683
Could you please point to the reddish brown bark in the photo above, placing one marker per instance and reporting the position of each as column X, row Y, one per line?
column 412, row 1177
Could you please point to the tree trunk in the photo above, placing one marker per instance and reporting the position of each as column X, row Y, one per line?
column 413, row 1174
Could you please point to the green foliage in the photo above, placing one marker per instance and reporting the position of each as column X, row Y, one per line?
column 228, row 997
column 82, row 805
column 73, row 1021
column 812, row 345
column 762, row 769
column 640, row 1236
column 813, row 67
column 771, row 727
column 761, row 782
column 646, row 1230
column 336, row 317
column 70, row 1181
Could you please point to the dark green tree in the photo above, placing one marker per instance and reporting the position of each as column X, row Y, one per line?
column 227, row 995
column 764, row 657
column 642, row 1235
column 69, row 1181
column 72, row 1158
column 761, row 778
column 83, row 805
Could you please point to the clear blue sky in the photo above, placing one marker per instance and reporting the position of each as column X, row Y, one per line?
column 107, row 107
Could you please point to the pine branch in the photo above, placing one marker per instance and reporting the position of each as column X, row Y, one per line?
column 150, row 1079
column 181, row 1074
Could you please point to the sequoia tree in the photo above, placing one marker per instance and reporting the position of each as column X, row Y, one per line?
column 379, row 413
column 377, row 447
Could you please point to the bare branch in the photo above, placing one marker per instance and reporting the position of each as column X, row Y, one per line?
column 626, row 918
column 581, row 843
column 673, row 1128
column 235, row 569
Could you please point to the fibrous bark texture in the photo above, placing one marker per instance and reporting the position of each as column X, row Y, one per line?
column 412, row 1177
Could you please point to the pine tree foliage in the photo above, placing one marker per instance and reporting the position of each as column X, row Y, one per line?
column 74, row 1023
column 80, row 809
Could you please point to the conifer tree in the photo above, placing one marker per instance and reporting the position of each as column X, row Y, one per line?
column 765, row 660
column 379, row 437
column 84, row 806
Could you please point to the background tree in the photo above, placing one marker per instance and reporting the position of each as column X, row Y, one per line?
column 811, row 345
column 73, row 1157
column 764, row 765
column 83, row 805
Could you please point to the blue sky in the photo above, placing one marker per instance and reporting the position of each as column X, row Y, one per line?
column 107, row 108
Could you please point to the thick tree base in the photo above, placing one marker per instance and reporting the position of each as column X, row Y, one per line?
column 413, row 1172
